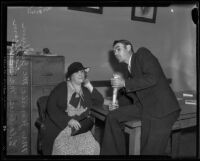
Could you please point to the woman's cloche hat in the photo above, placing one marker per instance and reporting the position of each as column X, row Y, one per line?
column 75, row 67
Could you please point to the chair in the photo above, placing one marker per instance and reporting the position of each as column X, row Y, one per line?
column 41, row 104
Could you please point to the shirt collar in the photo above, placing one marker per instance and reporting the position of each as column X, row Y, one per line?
column 129, row 62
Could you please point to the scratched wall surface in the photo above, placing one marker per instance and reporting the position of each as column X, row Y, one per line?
column 18, row 100
column 88, row 37
column 28, row 78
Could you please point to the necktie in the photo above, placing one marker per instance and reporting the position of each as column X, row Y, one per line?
column 75, row 99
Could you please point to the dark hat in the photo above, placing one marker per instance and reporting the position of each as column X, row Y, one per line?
column 75, row 67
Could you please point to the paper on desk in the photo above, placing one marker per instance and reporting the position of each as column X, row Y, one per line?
column 191, row 102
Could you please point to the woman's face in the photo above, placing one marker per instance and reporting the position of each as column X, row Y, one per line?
column 78, row 77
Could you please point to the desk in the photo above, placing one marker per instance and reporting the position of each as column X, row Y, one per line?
column 186, row 119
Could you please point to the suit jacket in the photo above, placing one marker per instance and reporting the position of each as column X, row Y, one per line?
column 57, row 119
column 150, row 85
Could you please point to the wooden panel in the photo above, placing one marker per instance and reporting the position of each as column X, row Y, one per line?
column 47, row 70
column 181, row 124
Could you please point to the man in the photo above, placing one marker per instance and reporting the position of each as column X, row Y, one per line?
column 147, row 96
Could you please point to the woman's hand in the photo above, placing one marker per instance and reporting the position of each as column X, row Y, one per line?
column 74, row 123
column 88, row 85
column 68, row 131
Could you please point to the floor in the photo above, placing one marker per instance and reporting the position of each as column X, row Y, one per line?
column 187, row 142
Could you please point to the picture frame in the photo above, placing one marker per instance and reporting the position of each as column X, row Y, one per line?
column 146, row 14
column 98, row 10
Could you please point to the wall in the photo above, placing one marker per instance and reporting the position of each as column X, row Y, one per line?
column 88, row 37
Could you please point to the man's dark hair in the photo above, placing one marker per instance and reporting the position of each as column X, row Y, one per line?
column 124, row 42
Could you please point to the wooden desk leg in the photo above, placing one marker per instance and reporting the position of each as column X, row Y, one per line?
column 134, row 141
column 175, row 143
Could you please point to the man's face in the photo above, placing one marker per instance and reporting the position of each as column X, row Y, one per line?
column 120, row 52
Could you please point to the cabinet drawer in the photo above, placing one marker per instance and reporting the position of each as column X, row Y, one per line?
column 37, row 92
column 47, row 70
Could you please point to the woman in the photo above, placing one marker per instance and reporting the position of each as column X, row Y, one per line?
column 69, row 102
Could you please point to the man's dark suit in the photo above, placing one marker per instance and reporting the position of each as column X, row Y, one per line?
column 148, row 97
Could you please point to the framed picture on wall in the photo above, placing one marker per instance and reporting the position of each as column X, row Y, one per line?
column 147, row 14
column 98, row 10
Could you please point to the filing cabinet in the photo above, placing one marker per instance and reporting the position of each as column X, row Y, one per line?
column 28, row 78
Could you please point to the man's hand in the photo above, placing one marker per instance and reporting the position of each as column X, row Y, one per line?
column 113, row 106
column 117, row 82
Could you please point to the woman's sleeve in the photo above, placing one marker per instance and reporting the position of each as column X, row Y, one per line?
column 97, row 98
column 56, row 113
